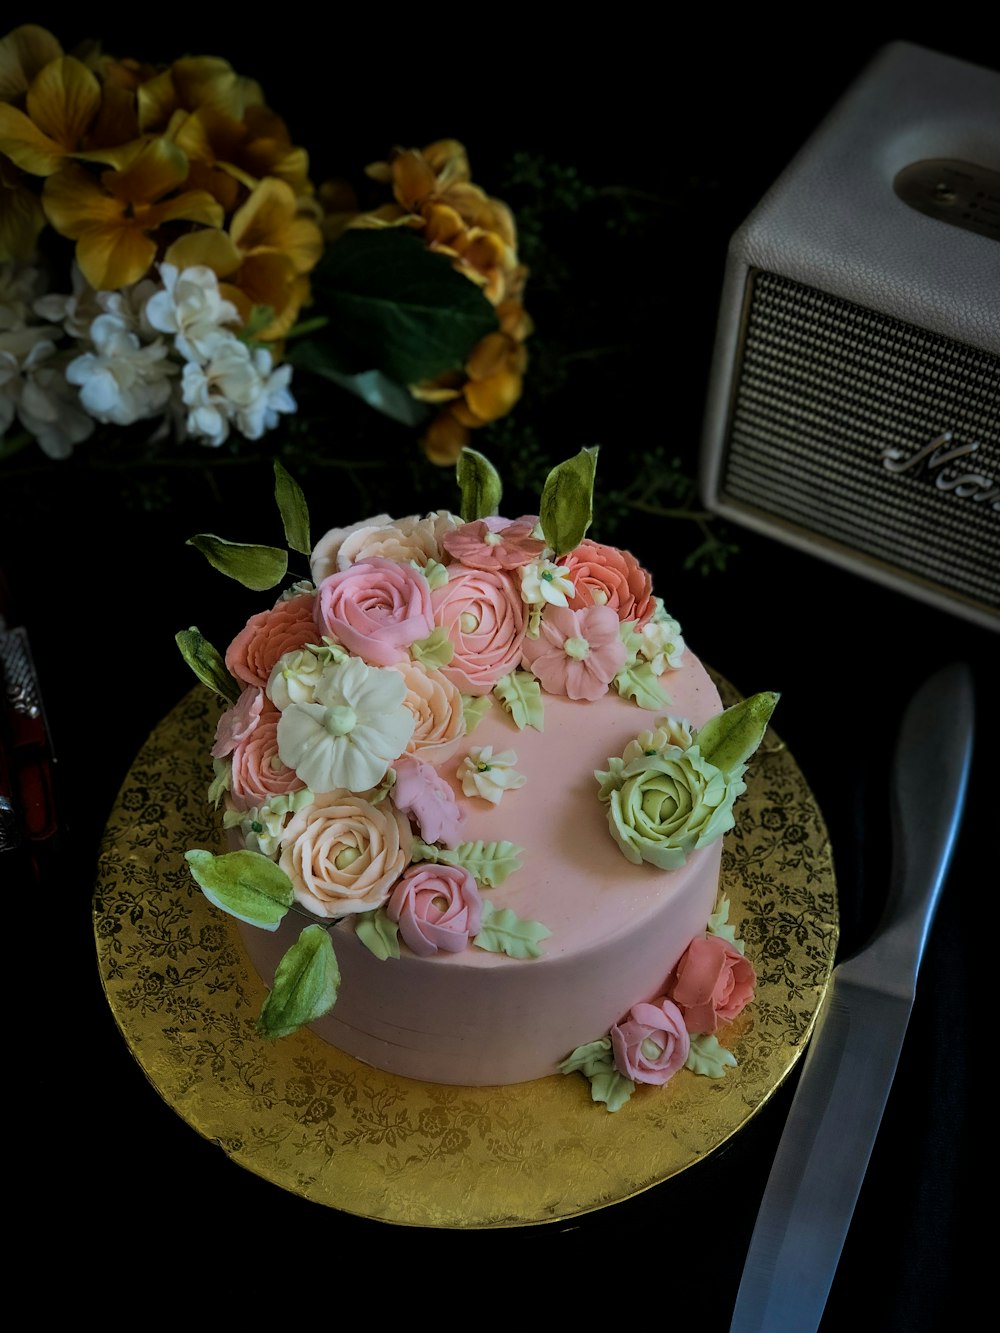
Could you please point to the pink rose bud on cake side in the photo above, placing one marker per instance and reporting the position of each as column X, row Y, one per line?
column 651, row 1043
column 436, row 907
column 713, row 983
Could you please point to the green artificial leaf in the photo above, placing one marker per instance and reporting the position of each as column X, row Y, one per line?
column 489, row 863
column 436, row 650
column 378, row 932
column 641, row 683
column 596, row 1062
column 395, row 306
column 474, row 709
column 728, row 740
column 256, row 567
column 377, row 390
column 521, row 695
column 207, row 663
column 479, row 482
column 245, row 884
column 718, row 924
column 293, row 509
column 305, row 985
column 567, row 505
column 503, row 931
column 707, row 1057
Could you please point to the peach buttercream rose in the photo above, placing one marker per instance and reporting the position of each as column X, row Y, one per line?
column 269, row 635
column 607, row 576
column 402, row 539
column 482, row 612
column 257, row 771
column 376, row 609
column 436, row 705
column 712, row 983
column 344, row 855
column 651, row 1043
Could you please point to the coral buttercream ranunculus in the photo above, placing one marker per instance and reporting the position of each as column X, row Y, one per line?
column 651, row 1043
column 712, row 983
column 436, row 907
column 257, row 769
column 482, row 612
column 343, row 854
column 268, row 635
column 577, row 653
column 607, row 576
column 376, row 609
column 438, row 717
column 402, row 539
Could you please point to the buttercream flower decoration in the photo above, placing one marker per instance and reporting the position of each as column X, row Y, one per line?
column 495, row 543
column 422, row 793
column 651, row 1043
column 483, row 773
column 258, row 771
column 268, row 636
column 353, row 731
column 437, row 907
column 295, row 676
column 544, row 583
column 263, row 826
column 662, row 644
column 669, row 731
column 376, row 609
column 608, row 576
column 238, row 722
column 482, row 612
column 577, row 653
column 712, row 984
column 411, row 540
column 438, row 713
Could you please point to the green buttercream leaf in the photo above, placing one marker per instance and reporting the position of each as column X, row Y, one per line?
column 610, row 780
column 479, row 482
column 378, row 794
column 206, row 662
column 489, row 863
column 631, row 640
column 641, row 683
column 305, row 985
column 567, row 505
column 222, row 782
column 592, row 1058
column 436, row 650
column 247, row 885
column 718, row 924
column 474, row 709
column 596, row 1062
column 434, row 572
column 256, row 567
column 728, row 740
column 612, row 1088
column 707, row 1057
column 293, row 509
column 503, row 931
column 378, row 933
column 521, row 694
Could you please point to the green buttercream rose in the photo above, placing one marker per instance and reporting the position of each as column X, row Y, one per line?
column 664, row 806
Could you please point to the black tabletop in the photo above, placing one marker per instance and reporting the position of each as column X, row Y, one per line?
column 97, row 569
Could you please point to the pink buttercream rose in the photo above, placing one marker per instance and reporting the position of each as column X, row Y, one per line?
column 437, row 907
column 651, row 1043
column 257, row 771
column 607, row 576
column 482, row 611
column 712, row 983
column 422, row 793
column 438, row 716
column 401, row 539
column 238, row 722
column 269, row 635
column 495, row 543
column 577, row 653
column 343, row 854
column 376, row 609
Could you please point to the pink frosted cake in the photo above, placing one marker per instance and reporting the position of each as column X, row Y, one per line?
column 478, row 785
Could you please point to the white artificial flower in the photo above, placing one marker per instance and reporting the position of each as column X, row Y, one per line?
column 353, row 731
column 121, row 381
column 272, row 398
column 544, row 582
column 191, row 308
column 662, row 645
column 76, row 313
column 237, row 387
column 33, row 387
column 19, row 283
column 483, row 773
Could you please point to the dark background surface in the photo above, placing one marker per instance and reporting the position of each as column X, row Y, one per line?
column 692, row 128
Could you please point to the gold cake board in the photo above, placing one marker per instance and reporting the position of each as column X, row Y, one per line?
column 322, row 1125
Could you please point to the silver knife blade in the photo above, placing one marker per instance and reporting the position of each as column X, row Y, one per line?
column 849, row 1067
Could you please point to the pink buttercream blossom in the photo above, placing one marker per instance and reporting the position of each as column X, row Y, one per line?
column 485, row 618
column 376, row 609
column 712, row 983
column 425, row 796
column 269, row 635
column 577, row 653
column 494, row 543
column 257, row 770
column 437, row 907
column 607, row 576
column 238, row 722
column 651, row 1043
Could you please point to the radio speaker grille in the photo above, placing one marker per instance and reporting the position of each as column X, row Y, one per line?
column 826, row 390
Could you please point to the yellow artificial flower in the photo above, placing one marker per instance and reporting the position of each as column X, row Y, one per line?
column 62, row 102
column 21, row 215
column 113, row 220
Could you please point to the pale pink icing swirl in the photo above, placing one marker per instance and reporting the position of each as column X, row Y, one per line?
column 651, row 1043
column 376, row 609
column 482, row 611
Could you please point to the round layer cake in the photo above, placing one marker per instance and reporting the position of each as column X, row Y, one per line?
column 616, row 929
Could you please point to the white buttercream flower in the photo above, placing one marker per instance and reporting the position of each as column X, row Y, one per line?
column 191, row 308
column 669, row 731
column 264, row 825
column 356, row 726
column 483, row 773
column 544, row 582
column 294, row 678
column 121, row 381
column 662, row 644
column 238, row 387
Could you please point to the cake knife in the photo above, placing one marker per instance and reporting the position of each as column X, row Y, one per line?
column 849, row 1067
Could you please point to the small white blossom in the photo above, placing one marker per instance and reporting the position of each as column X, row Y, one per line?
column 670, row 731
column 121, row 381
column 19, row 284
column 263, row 826
column 236, row 387
column 483, row 773
column 544, row 582
column 191, row 308
column 294, row 678
column 33, row 387
column 662, row 645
